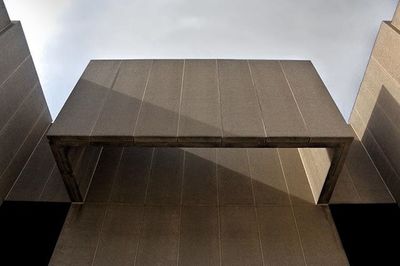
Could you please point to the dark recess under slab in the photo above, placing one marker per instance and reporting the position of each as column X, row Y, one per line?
column 368, row 232
column 29, row 231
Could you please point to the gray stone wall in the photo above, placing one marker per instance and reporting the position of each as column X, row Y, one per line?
column 24, row 115
column 4, row 19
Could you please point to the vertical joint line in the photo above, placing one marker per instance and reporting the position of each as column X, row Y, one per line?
column 47, row 181
column 94, row 171
column 219, row 99
column 180, row 97
column 294, row 98
column 20, row 106
column 149, row 174
column 99, row 234
column 181, row 206
column 144, row 208
column 24, row 166
column 292, row 208
column 16, row 69
column 141, row 102
column 105, row 99
column 255, row 206
column 258, row 98
column 218, row 209
column 116, row 173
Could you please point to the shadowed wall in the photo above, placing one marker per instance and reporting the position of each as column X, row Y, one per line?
column 24, row 115
column 376, row 114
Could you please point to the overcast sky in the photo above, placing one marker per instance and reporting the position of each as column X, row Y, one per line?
column 337, row 35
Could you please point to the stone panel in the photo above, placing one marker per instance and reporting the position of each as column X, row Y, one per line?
column 16, row 88
column 13, row 50
column 387, row 49
column 4, row 19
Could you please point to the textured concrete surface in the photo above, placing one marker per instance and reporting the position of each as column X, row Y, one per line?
column 200, row 101
column 199, row 205
column 396, row 18
column 387, row 49
column 187, row 100
column 4, row 19
column 13, row 49
column 375, row 117
column 24, row 116
column 203, row 205
column 223, row 98
column 16, row 88
column 278, row 106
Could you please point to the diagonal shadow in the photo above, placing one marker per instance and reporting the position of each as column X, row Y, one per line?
column 139, row 176
column 381, row 138
column 118, row 118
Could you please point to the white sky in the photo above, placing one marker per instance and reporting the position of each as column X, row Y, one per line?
column 337, row 35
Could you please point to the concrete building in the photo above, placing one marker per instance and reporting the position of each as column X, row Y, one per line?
column 24, row 115
column 375, row 116
column 155, row 206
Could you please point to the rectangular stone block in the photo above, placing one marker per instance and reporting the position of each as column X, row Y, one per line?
column 79, row 238
column 387, row 134
column 387, row 49
column 318, row 234
column 159, row 241
column 200, row 177
column 199, row 243
column 321, row 115
column 160, row 109
column 35, row 174
column 365, row 176
column 119, row 235
column 131, row 179
column 19, row 127
column 365, row 105
column 267, row 177
column 357, row 124
column 165, row 182
column 83, row 107
column 4, row 18
column 376, row 83
column 104, row 176
column 380, row 116
column 14, row 168
column 396, row 18
column 200, row 109
column 184, row 102
column 316, row 162
column 296, row 177
column 279, row 109
column 121, row 109
column 279, row 237
column 240, row 243
column 390, row 106
column 240, row 109
column 13, row 50
column 234, row 180
column 16, row 88
column 385, row 168
column 375, row 77
column 345, row 191
column 55, row 190
column 87, row 166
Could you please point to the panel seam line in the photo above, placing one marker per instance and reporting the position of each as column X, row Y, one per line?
column 258, row 98
column 294, row 97
column 292, row 208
